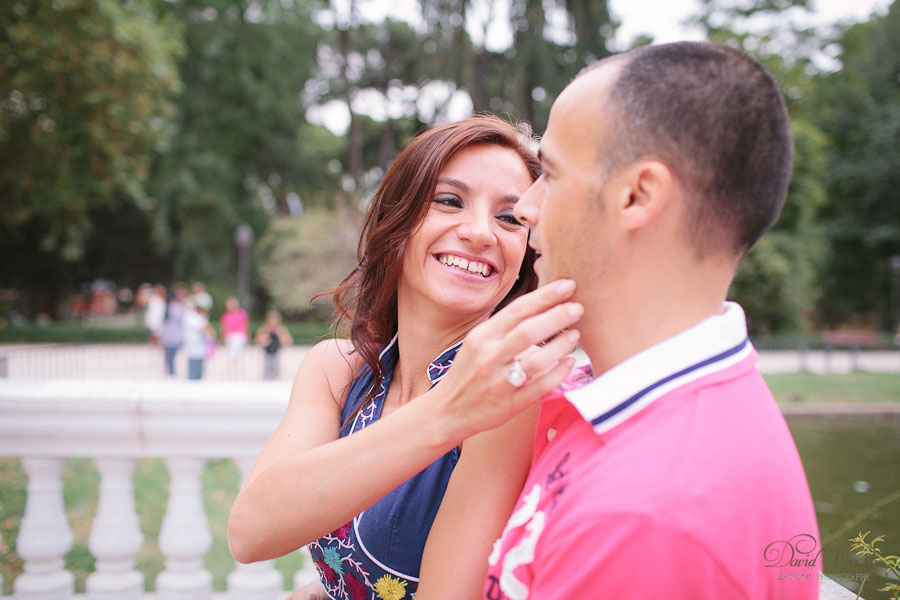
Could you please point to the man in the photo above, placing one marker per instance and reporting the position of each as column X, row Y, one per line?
column 672, row 473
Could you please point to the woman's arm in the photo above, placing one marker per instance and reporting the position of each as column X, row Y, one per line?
column 307, row 482
column 481, row 495
column 312, row 419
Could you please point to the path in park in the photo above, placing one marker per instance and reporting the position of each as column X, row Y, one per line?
column 141, row 361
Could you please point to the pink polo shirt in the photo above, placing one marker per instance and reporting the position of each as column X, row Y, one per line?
column 672, row 475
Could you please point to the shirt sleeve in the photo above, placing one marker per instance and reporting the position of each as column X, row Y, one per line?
column 629, row 556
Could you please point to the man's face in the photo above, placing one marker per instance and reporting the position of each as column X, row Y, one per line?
column 565, row 207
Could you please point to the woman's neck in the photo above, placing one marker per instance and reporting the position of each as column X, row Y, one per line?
column 422, row 335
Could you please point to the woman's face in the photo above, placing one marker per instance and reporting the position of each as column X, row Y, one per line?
column 466, row 253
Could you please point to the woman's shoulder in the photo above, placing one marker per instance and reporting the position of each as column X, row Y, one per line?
column 337, row 360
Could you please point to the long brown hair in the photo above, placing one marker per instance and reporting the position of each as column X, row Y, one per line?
column 367, row 297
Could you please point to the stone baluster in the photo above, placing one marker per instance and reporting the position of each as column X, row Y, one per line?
column 44, row 535
column 116, row 535
column 185, row 536
column 259, row 580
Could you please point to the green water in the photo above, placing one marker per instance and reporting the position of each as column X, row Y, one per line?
column 852, row 465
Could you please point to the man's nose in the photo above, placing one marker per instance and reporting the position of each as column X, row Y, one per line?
column 527, row 209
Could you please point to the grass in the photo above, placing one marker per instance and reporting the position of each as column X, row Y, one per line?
column 80, row 480
column 851, row 387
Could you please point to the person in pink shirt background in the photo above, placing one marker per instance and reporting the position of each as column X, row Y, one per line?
column 665, row 469
column 235, row 327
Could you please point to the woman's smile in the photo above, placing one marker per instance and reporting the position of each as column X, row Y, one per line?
column 470, row 266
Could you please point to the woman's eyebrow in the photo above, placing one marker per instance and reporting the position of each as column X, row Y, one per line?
column 464, row 187
column 461, row 185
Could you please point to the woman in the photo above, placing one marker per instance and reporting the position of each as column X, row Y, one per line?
column 235, row 325
column 171, row 335
column 370, row 448
column 271, row 336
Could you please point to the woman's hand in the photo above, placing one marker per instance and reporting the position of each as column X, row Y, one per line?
column 476, row 395
column 312, row 591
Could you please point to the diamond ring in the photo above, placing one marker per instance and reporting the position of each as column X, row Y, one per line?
column 515, row 374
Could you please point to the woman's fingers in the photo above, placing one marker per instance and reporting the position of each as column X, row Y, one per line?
column 531, row 304
column 537, row 360
column 543, row 384
column 529, row 320
column 537, row 329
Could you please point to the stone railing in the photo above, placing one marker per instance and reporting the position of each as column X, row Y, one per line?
column 117, row 422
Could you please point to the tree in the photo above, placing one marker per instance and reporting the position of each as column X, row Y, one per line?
column 84, row 106
column 240, row 154
column 299, row 258
column 861, row 115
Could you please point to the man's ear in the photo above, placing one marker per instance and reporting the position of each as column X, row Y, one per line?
column 646, row 191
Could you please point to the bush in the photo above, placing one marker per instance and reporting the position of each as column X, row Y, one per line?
column 300, row 257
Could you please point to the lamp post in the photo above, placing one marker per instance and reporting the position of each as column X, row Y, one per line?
column 243, row 237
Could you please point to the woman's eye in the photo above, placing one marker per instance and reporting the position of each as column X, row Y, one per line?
column 448, row 200
column 509, row 218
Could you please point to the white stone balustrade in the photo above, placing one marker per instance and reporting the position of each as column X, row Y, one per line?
column 116, row 423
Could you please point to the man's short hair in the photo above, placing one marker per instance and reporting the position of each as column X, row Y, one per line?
column 716, row 117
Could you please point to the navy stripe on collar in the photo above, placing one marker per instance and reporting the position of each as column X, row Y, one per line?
column 623, row 405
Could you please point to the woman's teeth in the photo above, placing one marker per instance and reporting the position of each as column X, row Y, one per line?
column 470, row 266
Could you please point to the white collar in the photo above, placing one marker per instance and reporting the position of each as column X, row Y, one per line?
column 714, row 344
column 438, row 367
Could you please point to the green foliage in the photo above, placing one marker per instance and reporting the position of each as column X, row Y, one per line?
column 777, row 283
column 298, row 258
column 84, row 107
column 774, row 284
column 78, row 128
column 863, row 547
column 236, row 156
column 861, row 116
column 136, row 157
column 72, row 332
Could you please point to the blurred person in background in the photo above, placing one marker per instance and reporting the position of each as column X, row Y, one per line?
column 235, row 326
column 370, row 466
column 155, row 312
column 197, row 335
column 271, row 336
column 171, row 335
column 200, row 298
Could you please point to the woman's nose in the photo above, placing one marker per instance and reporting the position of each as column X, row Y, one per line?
column 477, row 229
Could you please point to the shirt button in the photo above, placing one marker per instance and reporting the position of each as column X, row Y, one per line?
column 551, row 433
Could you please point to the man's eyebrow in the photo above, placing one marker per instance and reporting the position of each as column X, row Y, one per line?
column 461, row 185
column 542, row 156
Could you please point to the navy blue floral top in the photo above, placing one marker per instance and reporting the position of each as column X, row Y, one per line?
column 377, row 555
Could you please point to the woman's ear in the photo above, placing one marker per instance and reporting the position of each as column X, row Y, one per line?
column 646, row 192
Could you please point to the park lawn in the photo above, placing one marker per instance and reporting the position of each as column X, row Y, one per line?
column 80, row 480
column 812, row 388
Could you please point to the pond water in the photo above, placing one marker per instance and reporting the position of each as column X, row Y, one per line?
column 853, row 468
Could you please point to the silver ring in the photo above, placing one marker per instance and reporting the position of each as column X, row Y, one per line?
column 515, row 374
